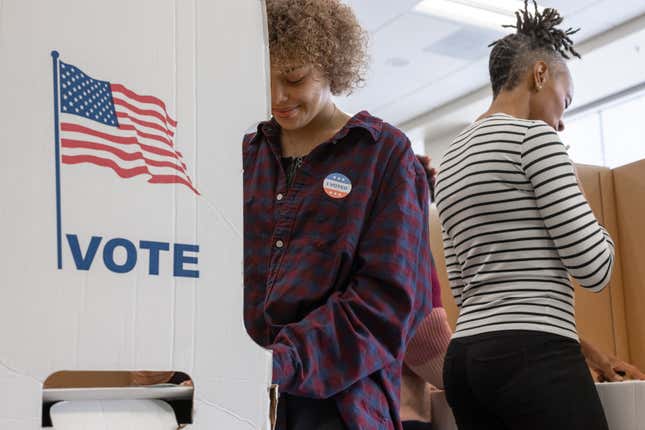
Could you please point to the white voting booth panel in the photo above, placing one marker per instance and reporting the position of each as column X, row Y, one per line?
column 624, row 404
column 122, row 198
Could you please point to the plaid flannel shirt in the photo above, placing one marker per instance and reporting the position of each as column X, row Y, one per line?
column 335, row 286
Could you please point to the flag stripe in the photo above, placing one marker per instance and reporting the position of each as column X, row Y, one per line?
column 118, row 88
column 143, row 134
column 129, row 140
column 127, row 167
column 145, row 112
column 122, row 140
column 152, row 170
column 129, row 148
column 144, row 123
column 167, row 179
column 123, row 155
column 124, row 173
column 151, row 119
column 154, row 120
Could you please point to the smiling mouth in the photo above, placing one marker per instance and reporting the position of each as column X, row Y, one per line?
column 285, row 113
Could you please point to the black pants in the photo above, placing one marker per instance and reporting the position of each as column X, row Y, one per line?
column 300, row 413
column 521, row 380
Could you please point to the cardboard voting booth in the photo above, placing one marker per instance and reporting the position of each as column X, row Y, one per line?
column 121, row 125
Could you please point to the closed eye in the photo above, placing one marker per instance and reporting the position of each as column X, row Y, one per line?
column 295, row 81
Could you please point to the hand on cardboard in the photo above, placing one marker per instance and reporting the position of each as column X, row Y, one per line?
column 607, row 367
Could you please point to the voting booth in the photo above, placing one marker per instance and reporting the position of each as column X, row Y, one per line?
column 121, row 125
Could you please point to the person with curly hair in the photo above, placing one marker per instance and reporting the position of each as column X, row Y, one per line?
column 336, row 237
column 516, row 225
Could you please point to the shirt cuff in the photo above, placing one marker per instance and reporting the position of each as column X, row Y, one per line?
column 283, row 364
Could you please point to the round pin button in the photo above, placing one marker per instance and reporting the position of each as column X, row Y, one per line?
column 279, row 244
column 280, row 196
column 337, row 185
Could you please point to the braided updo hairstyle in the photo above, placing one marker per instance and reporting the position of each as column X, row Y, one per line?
column 536, row 37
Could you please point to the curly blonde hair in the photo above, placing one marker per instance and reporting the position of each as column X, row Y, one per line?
column 324, row 33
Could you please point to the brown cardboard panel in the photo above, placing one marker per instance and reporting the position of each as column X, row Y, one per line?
column 629, row 182
column 617, row 292
column 594, row 311
column 88, row 379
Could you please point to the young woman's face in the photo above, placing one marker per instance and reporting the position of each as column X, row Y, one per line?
column 553, row 96
column 298, row 95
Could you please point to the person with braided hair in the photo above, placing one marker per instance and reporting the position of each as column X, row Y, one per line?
column 516, row 225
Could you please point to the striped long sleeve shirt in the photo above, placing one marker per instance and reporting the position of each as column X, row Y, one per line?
column 515, row 227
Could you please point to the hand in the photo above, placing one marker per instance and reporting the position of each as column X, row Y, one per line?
column 629, row 370
column 607, row 367
column 145, row 377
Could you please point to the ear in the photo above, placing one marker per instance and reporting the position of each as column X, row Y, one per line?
column 540, row 75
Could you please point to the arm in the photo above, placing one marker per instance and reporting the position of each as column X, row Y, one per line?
column 608, row 367
column 427, row 348
column 365, row 328
column 585, row 248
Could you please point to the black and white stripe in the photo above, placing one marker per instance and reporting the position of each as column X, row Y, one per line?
column 515, row 227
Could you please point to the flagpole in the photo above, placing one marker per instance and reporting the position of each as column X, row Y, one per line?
column 59, row 244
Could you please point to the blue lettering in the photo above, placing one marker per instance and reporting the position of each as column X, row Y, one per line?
column 154, row 247
column 83, row 262
column 108, row 255
column 180, row 259
column 184, row 255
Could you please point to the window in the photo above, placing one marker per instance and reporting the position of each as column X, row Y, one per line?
column 623, row 128
column 583, row 135
column 611, row 135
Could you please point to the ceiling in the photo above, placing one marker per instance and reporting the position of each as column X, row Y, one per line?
column 419, row 63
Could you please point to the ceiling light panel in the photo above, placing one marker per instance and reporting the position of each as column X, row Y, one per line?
column 491, row 14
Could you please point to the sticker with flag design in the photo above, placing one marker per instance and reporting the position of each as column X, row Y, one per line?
column 337, row 185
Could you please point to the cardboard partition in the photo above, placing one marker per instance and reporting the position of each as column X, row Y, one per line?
column 629, row 184
column 121, row 210
column 600, row 317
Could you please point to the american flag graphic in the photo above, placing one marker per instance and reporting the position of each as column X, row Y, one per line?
column 109, row 125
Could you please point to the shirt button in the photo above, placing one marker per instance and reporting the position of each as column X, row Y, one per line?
column 280, row 196
column 279, row 244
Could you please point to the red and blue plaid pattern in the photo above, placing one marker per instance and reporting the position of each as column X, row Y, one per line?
column 336, row 286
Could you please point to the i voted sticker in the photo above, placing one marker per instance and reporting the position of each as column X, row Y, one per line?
column 337, row 185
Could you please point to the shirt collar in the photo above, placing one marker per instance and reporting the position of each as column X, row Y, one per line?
column 363, row 119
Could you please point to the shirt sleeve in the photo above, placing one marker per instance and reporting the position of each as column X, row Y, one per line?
column 364, row 328
column 585, row 247
column 426, row 350
column 453, row 268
